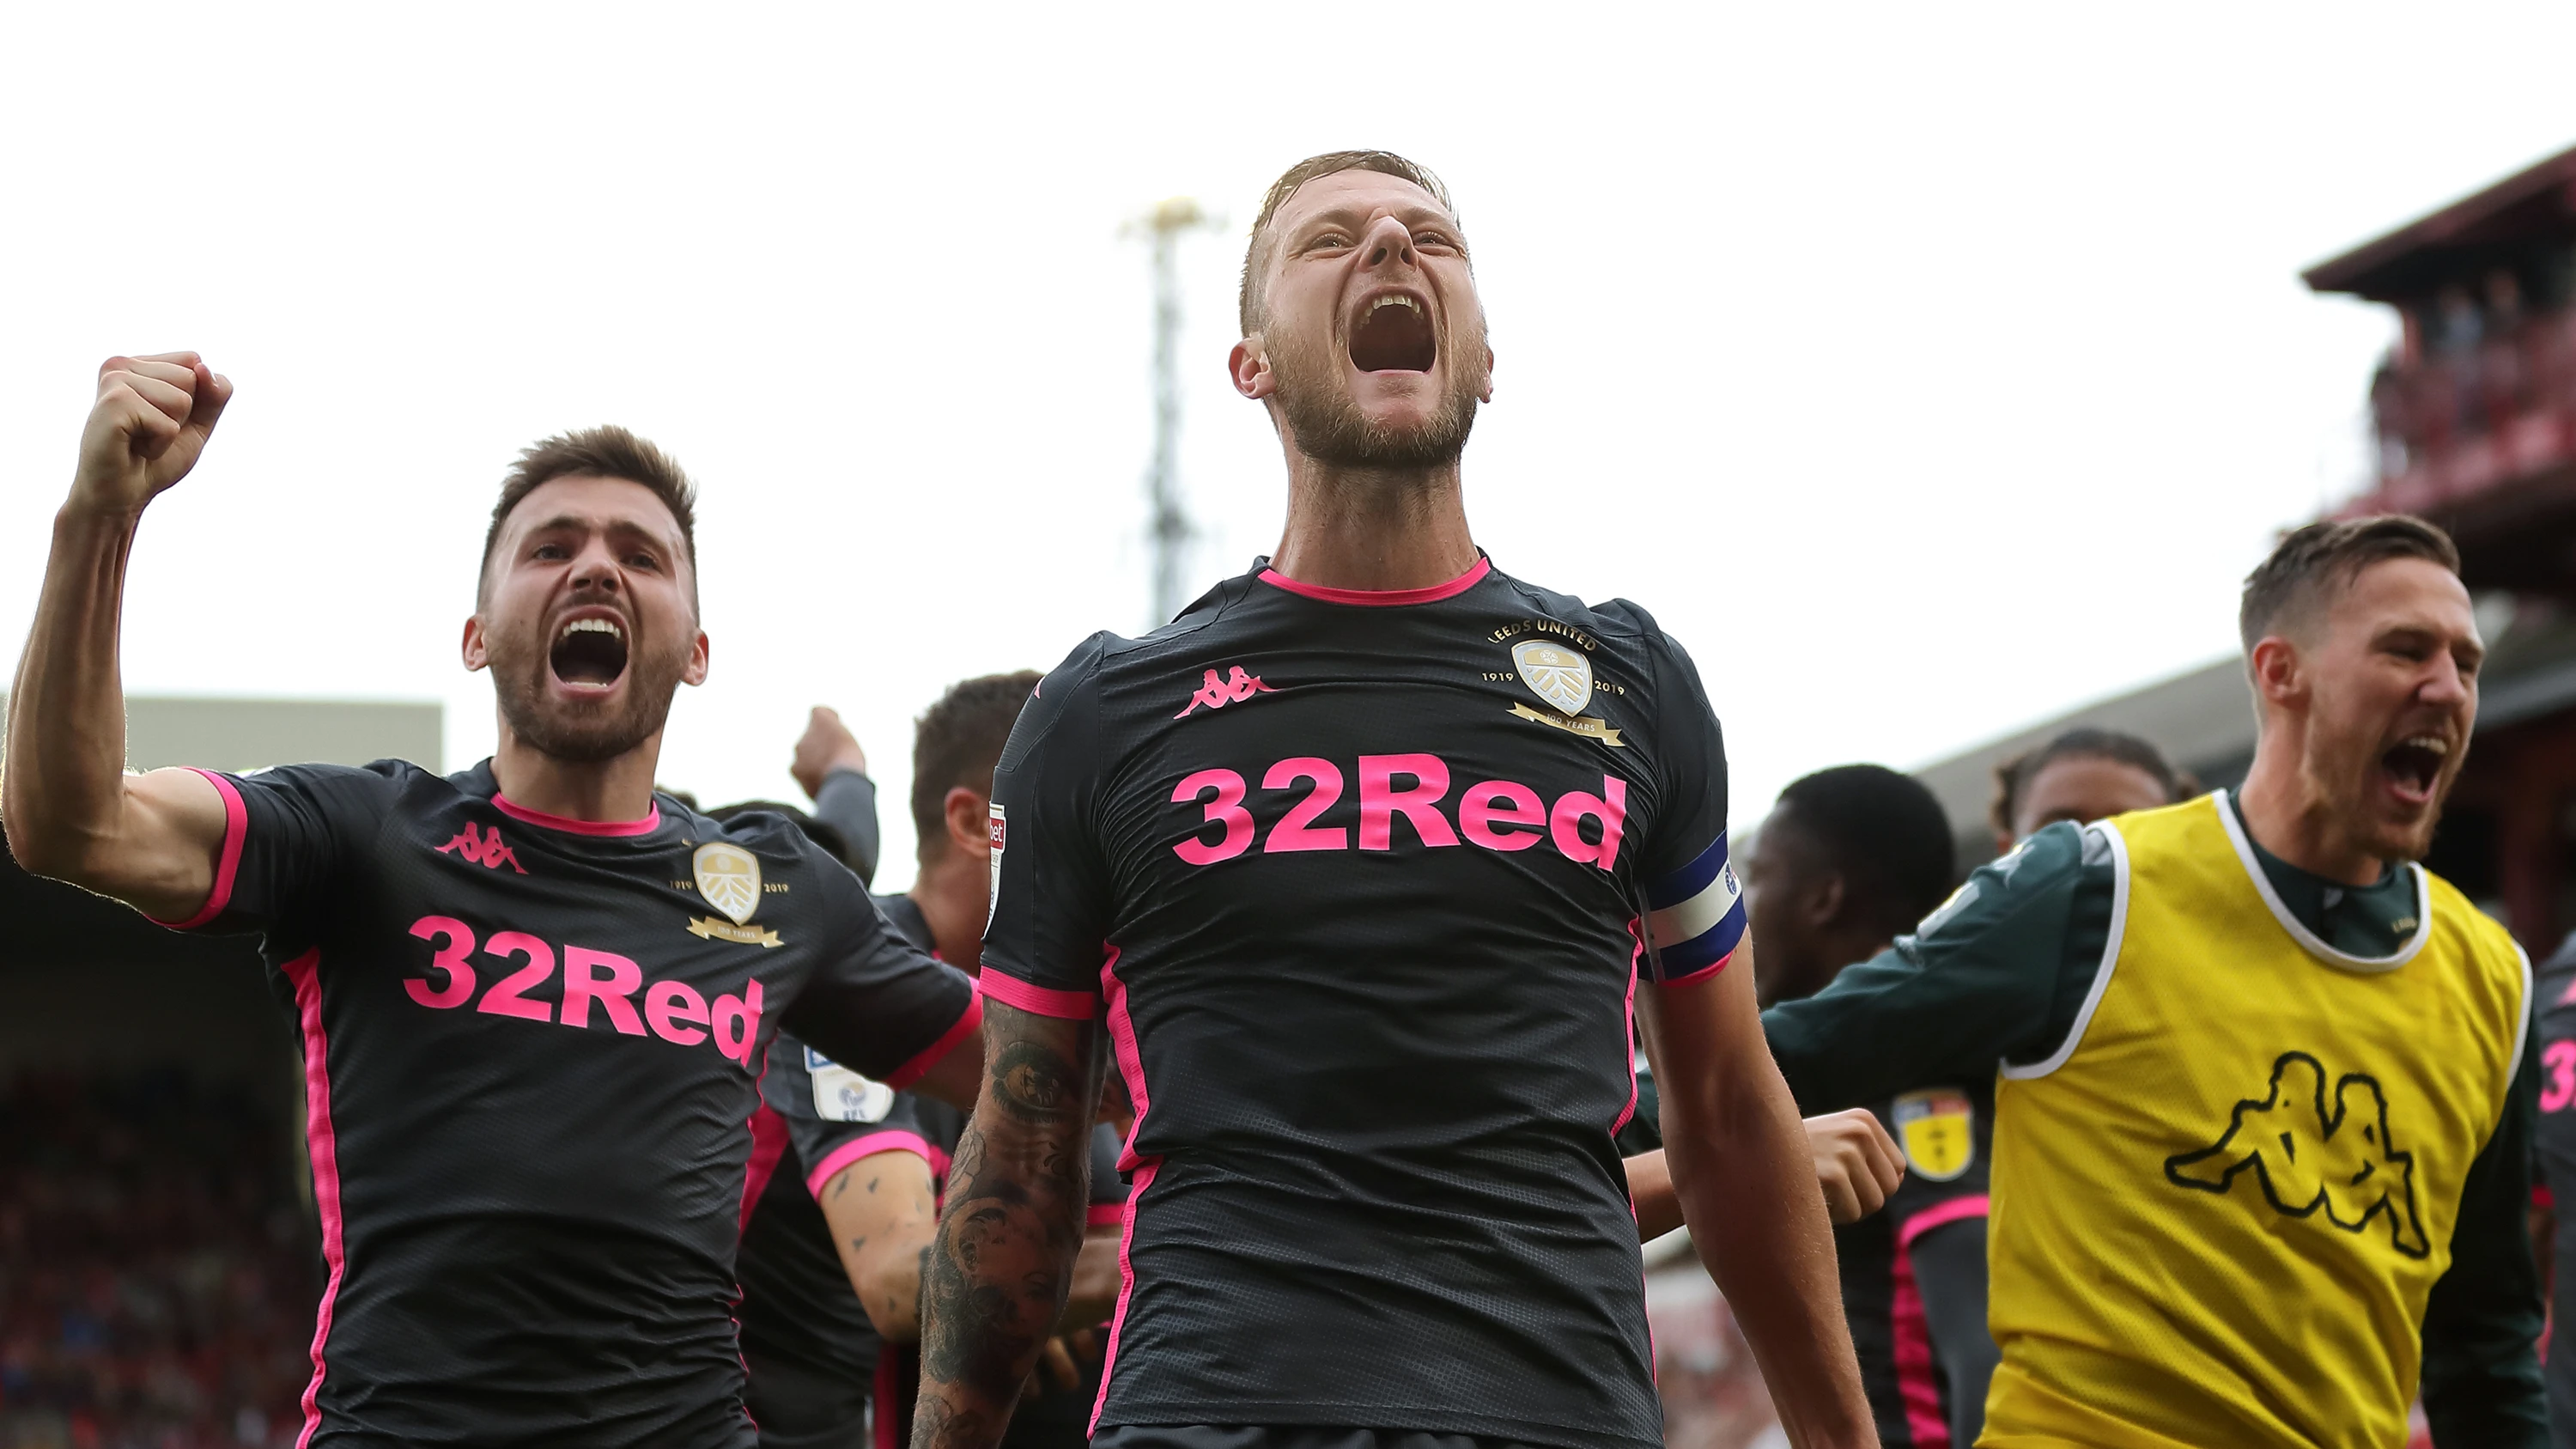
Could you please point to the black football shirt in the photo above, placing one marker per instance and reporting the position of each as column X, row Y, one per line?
column 2554, row 993
column 1355, row 879
column 532, row 1048
column 1947, row 1136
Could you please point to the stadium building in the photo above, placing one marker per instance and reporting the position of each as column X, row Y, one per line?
column 2473, row 425
column 158, row 1256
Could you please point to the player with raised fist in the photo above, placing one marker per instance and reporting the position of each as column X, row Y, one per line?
column 535, row 998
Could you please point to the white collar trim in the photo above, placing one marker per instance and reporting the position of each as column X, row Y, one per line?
column 2309, row 940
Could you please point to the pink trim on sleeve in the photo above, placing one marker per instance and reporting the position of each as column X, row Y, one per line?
column 968, row 1023
column 1140, row 1170
column 1941, row 1216
column 1917, row 1388
column 516, row 811
column 324, row 1147
column 1382, row 598
column 893, row 1139
column 1105, row 1215
column 1705, row 973
column 227, row 859
column 1043, row 1000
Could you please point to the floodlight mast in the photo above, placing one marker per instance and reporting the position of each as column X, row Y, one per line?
column 1167, row 525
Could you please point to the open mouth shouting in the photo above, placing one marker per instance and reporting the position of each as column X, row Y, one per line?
column 589, row 652
column 1392, row 333
column 2413, row 767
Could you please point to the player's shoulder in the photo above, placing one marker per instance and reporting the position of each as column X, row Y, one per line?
column 1111, row 675
column 1621, row 624
column 2046, row 865
column 1621, row 619
column 768, row 835
column 371, row 792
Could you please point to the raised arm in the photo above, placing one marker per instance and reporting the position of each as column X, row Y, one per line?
column 70, row 809
column 1740, row 1165
column 995, row 1280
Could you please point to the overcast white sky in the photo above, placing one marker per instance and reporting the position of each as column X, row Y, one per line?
column 1925, row 369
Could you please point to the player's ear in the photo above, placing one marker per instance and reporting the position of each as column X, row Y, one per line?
column 969, row 817
column 1486, row 394
column 2278, row 679
column 1825, row 901
column 472, row 647
column 696, row 673
column 1249, row 363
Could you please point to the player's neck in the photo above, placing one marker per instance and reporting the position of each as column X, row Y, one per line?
column 952, row 893
column 2287, row 816
column 1374, row 529
column 608, row 791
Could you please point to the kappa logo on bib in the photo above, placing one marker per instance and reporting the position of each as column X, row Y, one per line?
column 1938, row 1131
column 728, row 879
column 2313, row 1146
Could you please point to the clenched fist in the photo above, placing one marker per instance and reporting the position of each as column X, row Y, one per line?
column 146, row 430
column 827, row 745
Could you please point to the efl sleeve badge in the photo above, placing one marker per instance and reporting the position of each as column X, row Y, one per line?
column 1938, row 1130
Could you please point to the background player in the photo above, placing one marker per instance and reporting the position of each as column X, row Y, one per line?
column 1849, row 859
column 833, row 772
column 2264, row 1123
column 831, row 1251
column 533, row 1001
column 2082, row 775
column 1352, row 856
column 2554, row 995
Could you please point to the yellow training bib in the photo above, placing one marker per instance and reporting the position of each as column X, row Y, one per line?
column 2219, row 1207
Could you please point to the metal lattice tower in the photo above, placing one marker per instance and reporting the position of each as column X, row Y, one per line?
column 1167, row 525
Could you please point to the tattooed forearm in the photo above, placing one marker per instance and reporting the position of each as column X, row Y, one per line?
column 995, row 1276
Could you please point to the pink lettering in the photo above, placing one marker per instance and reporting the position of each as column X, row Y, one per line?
column 677, row 1011
column 1297, row 830
column 1418, row 803
column 1226, row 810
column 504, row 999
column 1564, row 823
column 737, row 1022
column 455, row 941
column 582, row 987
column 1500, row 803
column 2560, row 1089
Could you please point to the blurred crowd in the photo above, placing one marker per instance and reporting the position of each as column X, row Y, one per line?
column 157, row 1270
column 2474, row 360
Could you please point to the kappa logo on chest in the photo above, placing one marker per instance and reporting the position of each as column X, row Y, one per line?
column 2314, row 1147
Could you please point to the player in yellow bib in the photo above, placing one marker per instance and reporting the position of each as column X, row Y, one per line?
column 2263, row 1124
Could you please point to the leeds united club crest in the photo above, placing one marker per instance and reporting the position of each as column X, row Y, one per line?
column 729, row 879
column 1561, row 676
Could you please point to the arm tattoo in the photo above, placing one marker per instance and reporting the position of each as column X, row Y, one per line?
column 994, row 1278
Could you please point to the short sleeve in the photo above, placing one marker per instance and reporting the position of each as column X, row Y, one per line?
column 876, row 1002
column 289, row 833
column 836, row 1116
column 1050, row 906
column 1696, row 906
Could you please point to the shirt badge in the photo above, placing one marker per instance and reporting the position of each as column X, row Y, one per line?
column 1561, row 676
column 842, row 1095
column 729, row 880
column 1937, row 1129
